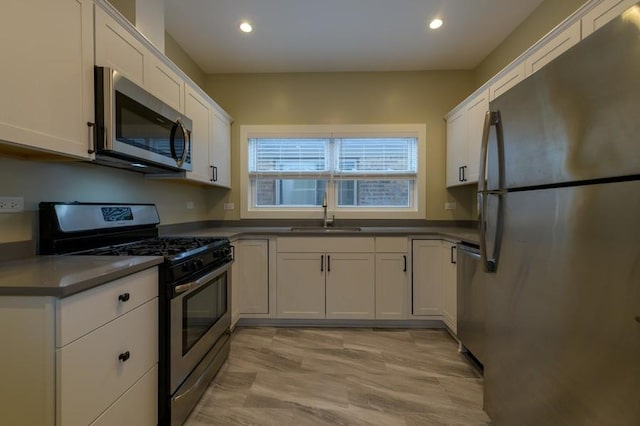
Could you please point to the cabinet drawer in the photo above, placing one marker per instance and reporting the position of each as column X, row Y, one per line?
column 325, row 244
column 391, row 245
column 90, row 374
column 79, row 314
column 138, row 406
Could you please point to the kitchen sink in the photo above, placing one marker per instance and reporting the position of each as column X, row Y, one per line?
column 329, row 229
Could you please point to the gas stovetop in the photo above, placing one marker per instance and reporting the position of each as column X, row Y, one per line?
column 172, row 248
column 100, row 229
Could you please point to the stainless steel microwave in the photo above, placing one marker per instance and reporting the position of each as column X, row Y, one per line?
column 135, row 130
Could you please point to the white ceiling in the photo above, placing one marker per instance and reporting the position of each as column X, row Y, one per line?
column 341, row 35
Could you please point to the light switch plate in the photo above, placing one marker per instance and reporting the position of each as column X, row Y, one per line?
column 229, row 206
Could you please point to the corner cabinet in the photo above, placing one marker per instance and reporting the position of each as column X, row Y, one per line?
column 47, row 76
column 87, row 359
column 464, row 137
column 250, row 279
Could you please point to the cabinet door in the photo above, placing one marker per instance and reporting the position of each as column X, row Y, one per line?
column 47, row 75
column 604, row 12
column 300, row 285
column 251, row 273
column 507, row 81
column 199, row 111
column 117, row 48
column 220, row 155
column 426, row 280
column 456, row 147
column 552, row 49
column 163, row 83
column 350, row 286
column 449, row 286
column 391, row 285
column 91, row 372
column 476, row 111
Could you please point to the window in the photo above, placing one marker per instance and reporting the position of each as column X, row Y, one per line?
column 364, row 171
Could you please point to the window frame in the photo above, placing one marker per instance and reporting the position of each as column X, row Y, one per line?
column 248, row 210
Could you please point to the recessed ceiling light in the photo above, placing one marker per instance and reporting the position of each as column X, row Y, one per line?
column 246, row 27
column 435, row 24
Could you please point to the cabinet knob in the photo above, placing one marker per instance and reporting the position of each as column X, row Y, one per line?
column 124, row 297
column 638, row 318
column 123, row 357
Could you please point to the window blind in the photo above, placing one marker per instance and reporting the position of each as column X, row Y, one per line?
column 358, row 158
column 288, row 158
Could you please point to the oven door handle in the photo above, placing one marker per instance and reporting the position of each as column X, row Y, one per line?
column 183, row 288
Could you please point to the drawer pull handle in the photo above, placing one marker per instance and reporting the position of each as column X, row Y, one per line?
column 124, row 356
column 124, row 297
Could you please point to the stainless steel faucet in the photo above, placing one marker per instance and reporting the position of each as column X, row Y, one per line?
column 326, row 222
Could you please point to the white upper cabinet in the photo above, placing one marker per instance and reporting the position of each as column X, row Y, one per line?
column 456, row 147
column 120, row 48
column 603, row 12
column 507, row 80
column 464, row 134
column 47, row 75
column 220, row 154
column 164, row 83
column 198, row 109
column 210, row 140
column 552, row 48
column 117, row 48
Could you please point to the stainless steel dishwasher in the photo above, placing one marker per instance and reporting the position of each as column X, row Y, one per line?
column 471, row 301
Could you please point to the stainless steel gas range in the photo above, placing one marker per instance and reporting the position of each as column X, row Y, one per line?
column 194, row 289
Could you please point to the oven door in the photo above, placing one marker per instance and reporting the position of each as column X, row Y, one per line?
column 200, row 315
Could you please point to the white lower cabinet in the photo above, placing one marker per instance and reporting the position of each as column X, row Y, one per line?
column 90, row 357
column 300, row 285
column 250, row 276
column 326, row 278
column 350, row 286
column 450, row 286
column 392, row 281
column 426, row 281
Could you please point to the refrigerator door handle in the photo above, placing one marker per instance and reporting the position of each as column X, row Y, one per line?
column 490, row 263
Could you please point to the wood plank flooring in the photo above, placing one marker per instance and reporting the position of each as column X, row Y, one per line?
column 342, row 376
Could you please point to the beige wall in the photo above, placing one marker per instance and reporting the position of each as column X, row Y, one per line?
column 179, row 57
column 127, row 8
column 348, row 98
column 40, row 181
column 546, row 16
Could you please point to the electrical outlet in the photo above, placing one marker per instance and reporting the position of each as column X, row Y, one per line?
column 450, row 206
column 11, row 204
column 229, row 206
column 189, row 205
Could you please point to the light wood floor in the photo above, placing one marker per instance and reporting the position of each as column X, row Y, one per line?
column 342, row 376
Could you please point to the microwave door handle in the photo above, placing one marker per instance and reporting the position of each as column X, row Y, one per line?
column 187, row 142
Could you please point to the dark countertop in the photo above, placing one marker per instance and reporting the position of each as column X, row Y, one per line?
column 61, row 276
column 454, row 234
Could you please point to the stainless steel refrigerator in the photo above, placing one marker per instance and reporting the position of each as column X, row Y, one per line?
column 560, row 238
